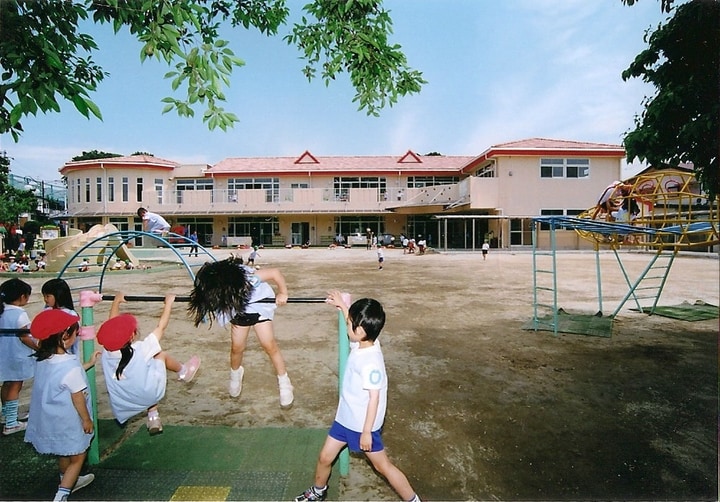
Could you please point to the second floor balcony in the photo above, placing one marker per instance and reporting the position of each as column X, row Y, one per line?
column 287, row 200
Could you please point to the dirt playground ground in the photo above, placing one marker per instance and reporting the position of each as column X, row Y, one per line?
column 478, row 407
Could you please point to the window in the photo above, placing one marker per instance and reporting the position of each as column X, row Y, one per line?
column 87, row 189
column 343, row 184
column 550, row 212
column 192, row 185
column 486, row 172
column 98, row 189
column 79, row 192
column 261, row 229
column 111, row 189
column 270, row 185
column 559, row 212
column 159, row 190
column 577, row 168
column 564, row 168
column 125, row 189
column 139, row 189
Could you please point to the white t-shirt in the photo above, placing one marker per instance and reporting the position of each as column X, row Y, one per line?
column 365, row 371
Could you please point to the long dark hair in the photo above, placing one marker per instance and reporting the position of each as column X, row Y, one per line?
column 61, row 291
column 221, row 287
column 46, row 348
column 126, row 354
column 11, row 290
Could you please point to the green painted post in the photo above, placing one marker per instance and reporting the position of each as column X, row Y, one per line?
column 343, row 351
column 88, row 299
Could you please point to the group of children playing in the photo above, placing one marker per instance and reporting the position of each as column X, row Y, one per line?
column 135, row 370
column 20, row 262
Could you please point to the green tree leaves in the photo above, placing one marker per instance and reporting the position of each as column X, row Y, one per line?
column 45, row 58
column 352, row 36
column 681, row 123
column 13, row 201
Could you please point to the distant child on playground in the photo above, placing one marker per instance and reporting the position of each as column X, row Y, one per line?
column 253, row 254
column 363, row 401
column 194, row 244
column 136, row 370
column 153, row 223
column 381, row 256
column 16, row 365
column 60, row 421
column 231, row 293
column 485, row 248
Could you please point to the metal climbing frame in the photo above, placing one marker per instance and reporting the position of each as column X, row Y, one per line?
column 649, row 284
column 100, row 251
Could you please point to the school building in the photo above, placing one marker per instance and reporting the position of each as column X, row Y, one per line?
column 454, row 202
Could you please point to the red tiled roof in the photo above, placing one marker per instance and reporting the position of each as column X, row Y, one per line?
column 408, row 163
column 544, row 143
column 543, row 146
column 144, row 161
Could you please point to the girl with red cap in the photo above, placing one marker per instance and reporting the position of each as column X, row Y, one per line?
column 136, row 370
column 60, row 421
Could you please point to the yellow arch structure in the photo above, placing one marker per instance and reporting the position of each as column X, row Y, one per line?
column 662, row 209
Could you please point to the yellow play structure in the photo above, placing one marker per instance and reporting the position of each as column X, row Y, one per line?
column 660, row 211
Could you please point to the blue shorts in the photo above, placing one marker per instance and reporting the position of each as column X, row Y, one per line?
column 352, row 438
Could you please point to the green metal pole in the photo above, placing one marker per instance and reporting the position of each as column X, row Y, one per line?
column 598, row 277
column 88, row 299
column 343, row 352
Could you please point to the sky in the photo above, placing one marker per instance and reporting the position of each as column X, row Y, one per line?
column 497, row 71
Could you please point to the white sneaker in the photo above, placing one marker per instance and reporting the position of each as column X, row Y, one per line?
column 83, row 481
column 286, row 392
column 236, row 378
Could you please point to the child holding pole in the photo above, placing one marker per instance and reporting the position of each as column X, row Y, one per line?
column 363, row 400
column 230, row 292
column 136, row 370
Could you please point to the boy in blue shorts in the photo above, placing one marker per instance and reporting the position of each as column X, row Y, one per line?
column 363, row 401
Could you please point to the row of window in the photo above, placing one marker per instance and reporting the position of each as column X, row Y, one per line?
column 341, row 185
column 549, row 168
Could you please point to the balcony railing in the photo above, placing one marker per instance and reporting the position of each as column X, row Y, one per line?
column 290, row 200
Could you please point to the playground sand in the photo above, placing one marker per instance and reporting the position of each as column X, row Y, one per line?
column 479, row 408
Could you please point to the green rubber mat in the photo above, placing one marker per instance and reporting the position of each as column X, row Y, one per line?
column 686, row 311
column 578, row 324
column 182, row 463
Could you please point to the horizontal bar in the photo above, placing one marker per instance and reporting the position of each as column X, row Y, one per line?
column 132, row 298
column 14, row 331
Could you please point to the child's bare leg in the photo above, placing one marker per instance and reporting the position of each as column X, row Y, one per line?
column 238, row 342
column 395, row 476
column 170, row 362
column 328, row 454
column 70, row 468
column 266, row 337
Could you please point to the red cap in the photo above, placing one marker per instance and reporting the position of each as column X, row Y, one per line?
column 51, row 322
column 115, row 333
